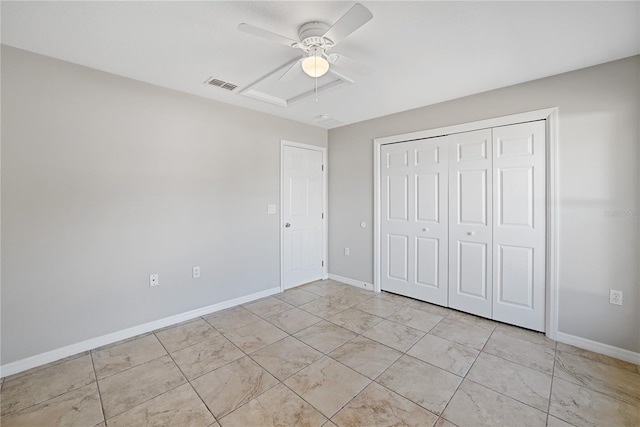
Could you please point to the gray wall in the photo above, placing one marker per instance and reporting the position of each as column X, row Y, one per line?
column 598, row 158
column 105, row 180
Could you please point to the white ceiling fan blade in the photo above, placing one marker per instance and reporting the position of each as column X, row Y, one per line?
column 292, row 72
column 250, row 29
column 355, row 18
column 346, row 63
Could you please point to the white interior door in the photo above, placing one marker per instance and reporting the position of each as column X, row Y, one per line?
column 302, row 214
column 414, row 219
column 519, row 226
column 470, row 222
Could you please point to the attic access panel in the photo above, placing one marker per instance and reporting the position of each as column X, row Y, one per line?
column 284, row 94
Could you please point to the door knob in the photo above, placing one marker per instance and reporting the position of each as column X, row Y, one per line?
column 425, row 229
column 287, row 225
column 471, row 233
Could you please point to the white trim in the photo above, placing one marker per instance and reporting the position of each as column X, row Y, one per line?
column 70, row 350
column 348, row 281
column 548, row 114
column 325, row 221
column 598, row 347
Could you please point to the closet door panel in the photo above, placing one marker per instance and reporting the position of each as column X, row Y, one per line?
column 396, row 189
column 470, row 222
column 431, row 225
column 520, row 224
column 414, row 229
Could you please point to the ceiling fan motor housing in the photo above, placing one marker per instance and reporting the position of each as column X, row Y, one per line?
column 311, row 37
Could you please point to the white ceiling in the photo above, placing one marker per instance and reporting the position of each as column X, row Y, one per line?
column 422, row 52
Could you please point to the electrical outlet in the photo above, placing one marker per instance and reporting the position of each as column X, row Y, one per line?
column 615, row 297
column 196, row 272
column 346, row 251
column 153, row 279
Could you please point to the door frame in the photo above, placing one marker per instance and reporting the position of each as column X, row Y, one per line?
column 551, row 117
column 325, row 204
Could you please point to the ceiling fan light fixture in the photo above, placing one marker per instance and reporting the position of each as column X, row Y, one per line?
column 315, row 66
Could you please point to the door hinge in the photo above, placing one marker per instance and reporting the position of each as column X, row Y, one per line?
column 322, row 215
column 323, row 263
column 323, row 167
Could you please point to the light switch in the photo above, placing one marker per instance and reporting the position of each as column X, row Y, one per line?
column 271, row 209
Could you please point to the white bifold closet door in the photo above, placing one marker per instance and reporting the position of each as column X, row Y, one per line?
column 462, row 222
column 414, row 218
column 470, row 218
column 519, row 227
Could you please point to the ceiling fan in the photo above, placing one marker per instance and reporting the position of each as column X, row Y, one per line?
column 316, row 41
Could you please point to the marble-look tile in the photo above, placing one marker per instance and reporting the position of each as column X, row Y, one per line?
column 470, row 319
column 476, row 406
column 324, row 336
column 231, row 318
column 38, row 368
column 276, row 407
column 23, row 391
column 525, row 334
column 525, row 353
column 355, row 320
column 325, row 307
column 431, row 308
column 416, row 319
column 377, row 406
column 294, row 320
column 380, row 307
column 127, row 389
column 597, row 357
column 255, row 336
column 516, row 381
column 368, row 357
column 286, row 357
column 557, row 422
column 347, row 300
column 426, row 385
column 267, row 307
column 329, row 424
column 117, row 358
column 607, row 379
column 233, row 385
column 581, row 406
column 178, row 407
column 399, row 299
column 297, row 296
column 206, row 356
column 327, row 385
column 324, row 287
column 462, row 333
column 443, row 423
column 80, row 407
column 394, row 335
column 444, row 354
column 185, row 334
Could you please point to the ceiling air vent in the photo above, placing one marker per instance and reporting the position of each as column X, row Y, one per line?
column 327, row 121
column 221, row 84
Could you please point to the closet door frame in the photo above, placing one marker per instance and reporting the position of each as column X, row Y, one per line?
column 550, row 115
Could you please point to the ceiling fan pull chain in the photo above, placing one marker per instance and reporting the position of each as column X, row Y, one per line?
column 316, row 60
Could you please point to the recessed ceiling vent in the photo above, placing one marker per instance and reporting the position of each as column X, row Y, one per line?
column 221, row 84
column 327, row 121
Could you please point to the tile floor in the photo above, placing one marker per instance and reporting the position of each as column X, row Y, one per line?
column 328, row 354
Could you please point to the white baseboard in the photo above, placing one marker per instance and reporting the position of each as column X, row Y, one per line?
column 70, row 350
column 597, row 347
column 352, row 282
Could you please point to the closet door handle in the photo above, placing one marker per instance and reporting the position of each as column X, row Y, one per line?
column 425, row 229
column 471, row 233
